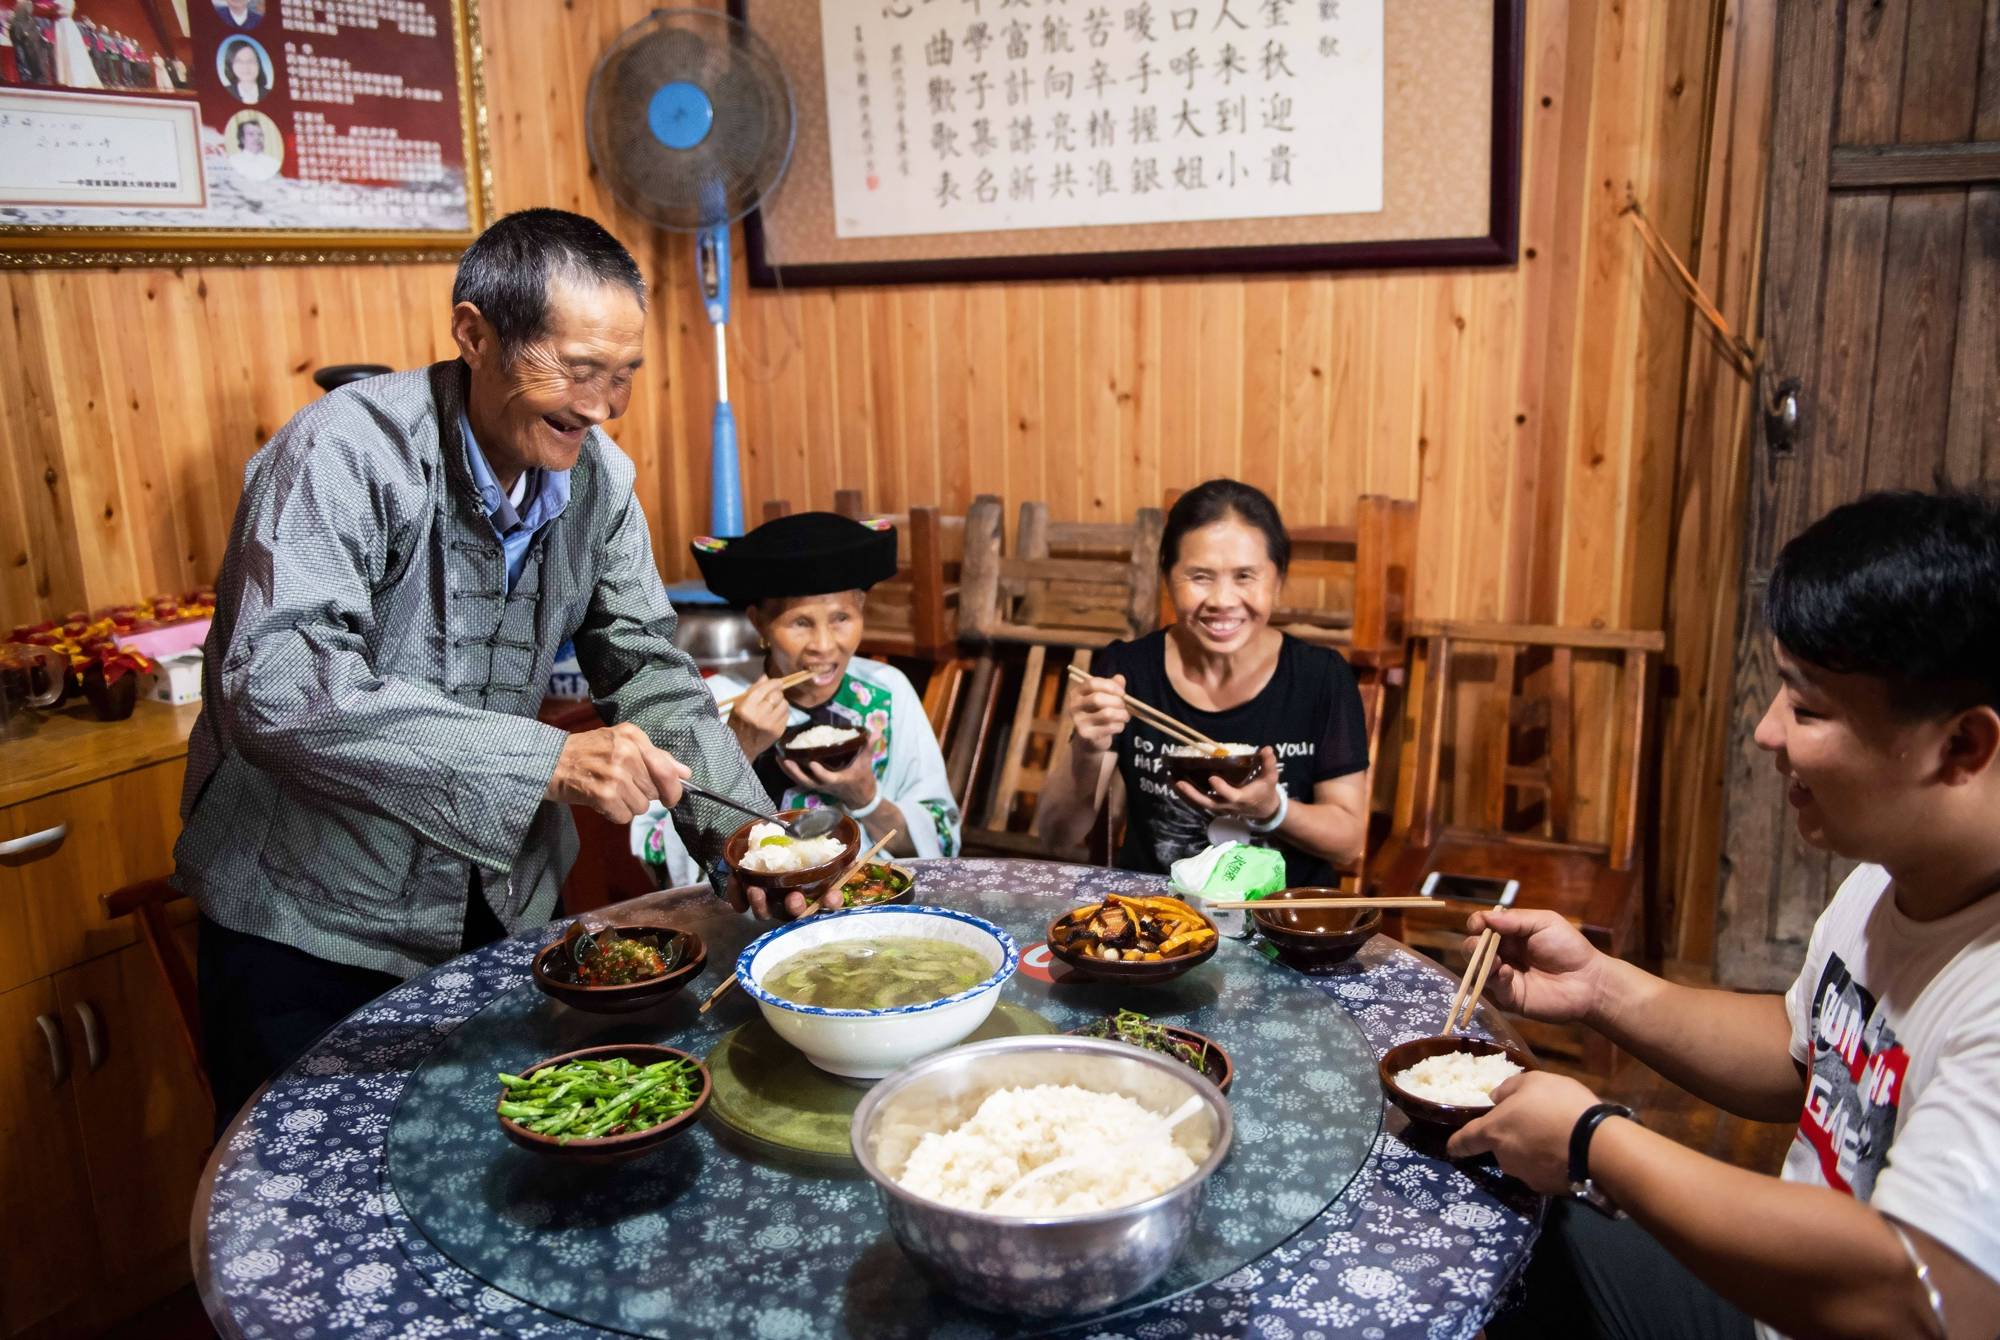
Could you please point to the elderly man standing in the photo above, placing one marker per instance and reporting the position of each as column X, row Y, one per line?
column 369, row 791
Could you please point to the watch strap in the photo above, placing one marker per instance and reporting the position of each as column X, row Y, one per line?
column 1579, row 1137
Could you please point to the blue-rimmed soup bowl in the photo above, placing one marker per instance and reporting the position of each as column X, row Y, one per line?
column 868, row 1044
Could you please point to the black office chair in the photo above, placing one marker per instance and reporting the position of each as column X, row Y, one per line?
column 340, row 374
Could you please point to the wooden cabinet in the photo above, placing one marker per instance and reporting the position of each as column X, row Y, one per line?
column 115, row 832
column 103, row 1123
column 44, row 1189
column 139, row 1105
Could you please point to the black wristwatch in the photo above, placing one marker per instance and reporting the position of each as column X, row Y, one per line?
column 1580, row 1185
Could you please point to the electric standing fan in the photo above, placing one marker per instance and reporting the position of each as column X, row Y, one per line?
column 690, row 120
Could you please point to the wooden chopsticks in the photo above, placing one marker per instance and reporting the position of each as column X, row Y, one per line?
column 1153, row 716
column 1477, row 969
column 796, row 677
column 861, row 863
column 1315, row 904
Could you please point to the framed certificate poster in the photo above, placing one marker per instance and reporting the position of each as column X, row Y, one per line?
column 163, row 131
column 1006, row 141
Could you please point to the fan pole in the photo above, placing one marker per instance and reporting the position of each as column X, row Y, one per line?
column 725, row 480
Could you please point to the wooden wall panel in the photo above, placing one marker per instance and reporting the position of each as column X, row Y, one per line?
column 1536, row 412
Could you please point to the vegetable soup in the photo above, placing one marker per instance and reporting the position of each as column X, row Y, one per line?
column 878, row 973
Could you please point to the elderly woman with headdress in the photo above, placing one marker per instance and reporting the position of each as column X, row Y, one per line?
column 804, row 580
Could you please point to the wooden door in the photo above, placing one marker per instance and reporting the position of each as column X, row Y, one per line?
column 144, row 1118
column 1881, row 315
column 51, row 1252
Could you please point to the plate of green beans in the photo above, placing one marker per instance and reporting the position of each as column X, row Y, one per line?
column 603, row 1103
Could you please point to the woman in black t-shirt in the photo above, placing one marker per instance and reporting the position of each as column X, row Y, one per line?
column 1222, row 669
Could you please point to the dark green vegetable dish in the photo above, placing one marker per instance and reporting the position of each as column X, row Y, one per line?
column 591, row 1100
column 1135, row 1028
column 878, row 973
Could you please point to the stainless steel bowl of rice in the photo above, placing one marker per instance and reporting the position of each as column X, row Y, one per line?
column 948, row 1139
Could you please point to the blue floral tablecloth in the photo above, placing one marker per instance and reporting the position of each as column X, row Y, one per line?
column 303, row 1237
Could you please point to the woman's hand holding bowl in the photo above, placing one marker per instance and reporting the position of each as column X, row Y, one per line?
column 1256, row 800
column 853, row 786
column 1097, row 711
column 759, row 717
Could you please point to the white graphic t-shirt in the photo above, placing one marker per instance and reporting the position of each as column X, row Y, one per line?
column 1897, row 1023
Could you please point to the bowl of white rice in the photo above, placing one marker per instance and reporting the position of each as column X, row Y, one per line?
column 1039, row 1175
column 763, row 855
column 1448, row 1081
column 832, row 747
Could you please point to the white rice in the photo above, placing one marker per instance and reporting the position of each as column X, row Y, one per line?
column 1204, row 751
column 819, row 737
column 1125, row 1151
column 1459, row 1078
column 782, row 858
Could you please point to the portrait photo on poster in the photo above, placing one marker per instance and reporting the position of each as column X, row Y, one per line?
column 256, row 147
column 244, row 68
column 240, row 15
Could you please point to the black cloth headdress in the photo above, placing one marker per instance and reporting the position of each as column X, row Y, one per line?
column 807, row 554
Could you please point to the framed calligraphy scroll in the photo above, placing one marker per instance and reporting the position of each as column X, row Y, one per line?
column 165, row 131
column 944, row 140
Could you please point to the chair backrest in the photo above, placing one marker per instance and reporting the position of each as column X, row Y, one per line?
column 148, row 901
column 1536, row 739
column 1351, row 587
column 1004, row 813
column 1064, row 583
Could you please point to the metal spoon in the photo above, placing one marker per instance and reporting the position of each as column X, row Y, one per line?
column 813, row 823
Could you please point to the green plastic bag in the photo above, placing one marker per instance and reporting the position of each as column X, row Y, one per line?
column 1229, row 872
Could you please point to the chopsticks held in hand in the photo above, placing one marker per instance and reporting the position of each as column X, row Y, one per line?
column 796, row 677
column 1477, row 970
column 861, row 863
column 1160, row 721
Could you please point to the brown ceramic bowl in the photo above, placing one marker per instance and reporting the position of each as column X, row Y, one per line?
column 832, row 757
column 1219, row 1069
column 1196, row 768
column 611, row 1148
column 1449, row 1116
column 812, row 881
column 1314, row 939
column 550, row 962
column 908, row 895
column 881, row 869
column 1117, row 970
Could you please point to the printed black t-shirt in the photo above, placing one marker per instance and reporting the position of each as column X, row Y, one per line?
column 1310, row 713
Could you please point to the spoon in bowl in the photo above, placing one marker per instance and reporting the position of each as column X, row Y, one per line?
column 817, row 822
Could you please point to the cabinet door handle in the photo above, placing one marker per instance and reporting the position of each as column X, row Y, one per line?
column 93, row 1035
column 48, row 837
column 58, row 1053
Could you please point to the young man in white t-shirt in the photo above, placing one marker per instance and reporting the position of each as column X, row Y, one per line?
column 1885, row 620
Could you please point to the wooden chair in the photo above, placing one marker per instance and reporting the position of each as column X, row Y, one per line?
column 916, row 612
column 149, row 900
column 1007, row 815
column 1065, row 584
column 1364, row 578
column 1542, row 744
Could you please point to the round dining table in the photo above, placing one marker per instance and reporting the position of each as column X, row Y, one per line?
column 301, row 1232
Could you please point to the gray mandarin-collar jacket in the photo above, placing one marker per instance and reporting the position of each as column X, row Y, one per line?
column 368, row 735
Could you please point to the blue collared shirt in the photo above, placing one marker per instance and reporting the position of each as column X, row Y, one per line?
column 546, row 495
